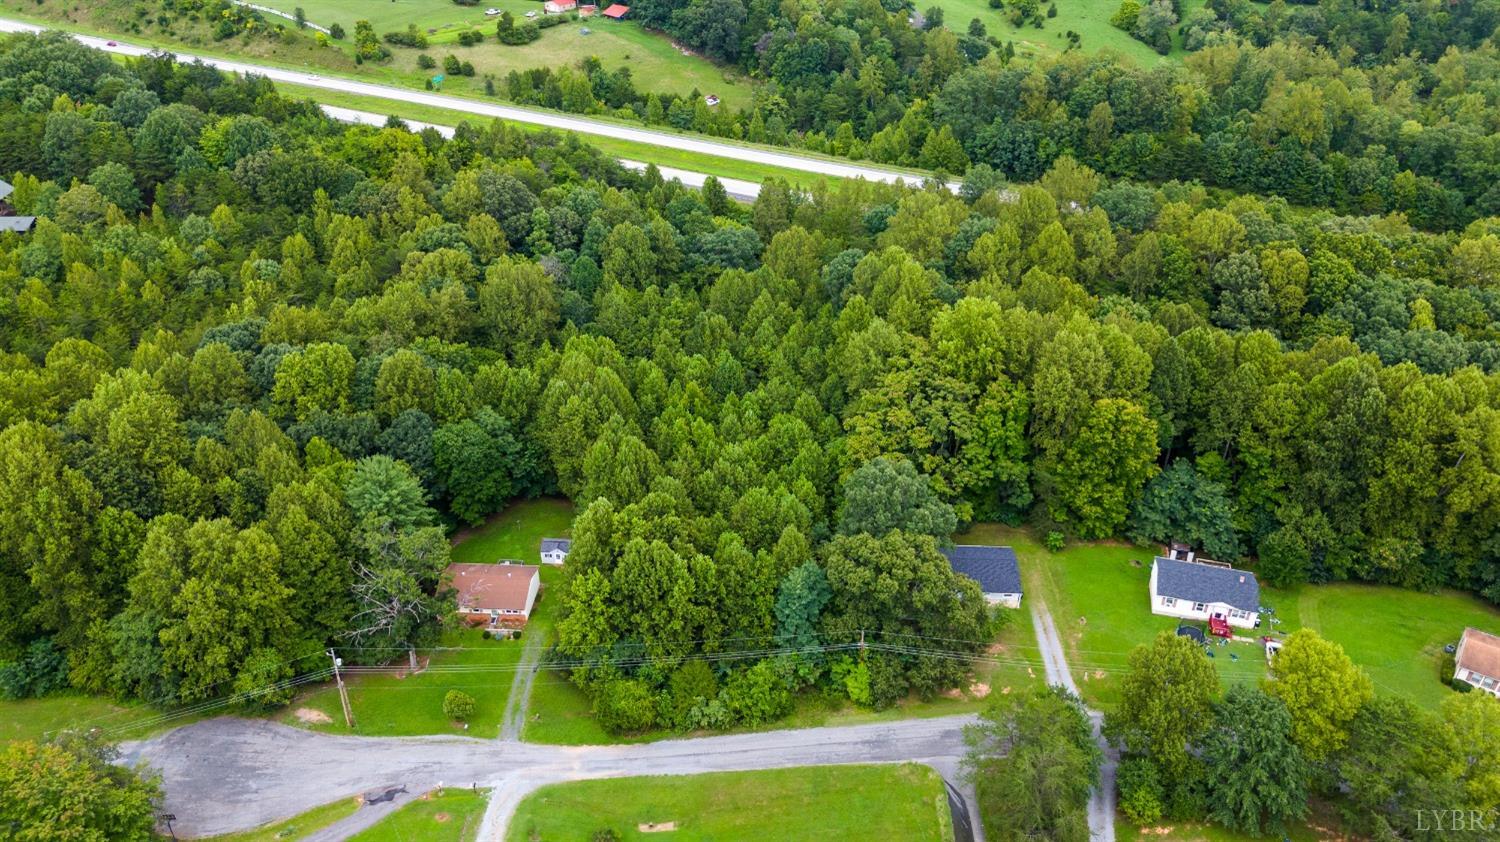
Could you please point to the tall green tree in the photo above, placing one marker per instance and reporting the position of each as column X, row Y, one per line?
column 1166, row 703
column 1322, row 689
column 1033, row 761
column 1257, row 777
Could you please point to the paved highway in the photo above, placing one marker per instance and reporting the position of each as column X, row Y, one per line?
column 563, row 122
column 231, row 774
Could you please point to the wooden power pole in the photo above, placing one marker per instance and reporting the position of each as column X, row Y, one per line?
column 343, row 693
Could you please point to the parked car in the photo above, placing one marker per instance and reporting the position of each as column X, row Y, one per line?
column 531, row 14
column 111, row 44
column 492, row 11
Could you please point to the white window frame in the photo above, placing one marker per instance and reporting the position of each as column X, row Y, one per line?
column 1200, row 606
column 1169, row 602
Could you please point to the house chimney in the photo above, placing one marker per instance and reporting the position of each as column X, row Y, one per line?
column 1242, row 580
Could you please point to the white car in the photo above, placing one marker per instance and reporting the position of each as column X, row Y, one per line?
column 491, row 12
column 531, row 14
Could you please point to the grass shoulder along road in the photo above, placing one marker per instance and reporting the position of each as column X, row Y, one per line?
column 662, row 156
column 447, row 815
column 295, row 827
column 905, row 801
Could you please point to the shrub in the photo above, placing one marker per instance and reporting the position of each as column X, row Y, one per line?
column 757, row 695
column 458, row 705
column 604, row 834
column 42, row 670
column 426, row 62
column 1056, row 541
column 1141, row 791
column 336, row 32
column 410, row 37
column 624, row 706
column 451, row 65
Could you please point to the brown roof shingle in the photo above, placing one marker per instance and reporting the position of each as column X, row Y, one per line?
column 1479, row 651
column 482, row 587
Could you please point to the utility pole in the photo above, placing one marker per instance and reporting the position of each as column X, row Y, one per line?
column 343, row 693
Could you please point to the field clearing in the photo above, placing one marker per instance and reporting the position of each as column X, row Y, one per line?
column 905, row 802
column 1089, row 18
column 654, row 62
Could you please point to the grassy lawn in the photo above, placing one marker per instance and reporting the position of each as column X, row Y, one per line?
column 905, row 802
column 392, row 705
column 450, row 815
column 1097, row 593
column 516, row 533
column 297, row 826
column 1396, row 635
column 1089, row 18
column 33, row 719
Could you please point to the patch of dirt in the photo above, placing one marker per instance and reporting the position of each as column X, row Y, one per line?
column 1005, row 691
column 994, row 648
column 1099, row 674
column 441, row 818
column 656, row 827
column 1158, row 831
column 979, row 690
column 952, row 693
column 309, row 716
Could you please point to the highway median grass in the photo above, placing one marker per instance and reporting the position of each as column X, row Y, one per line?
column 905, row 802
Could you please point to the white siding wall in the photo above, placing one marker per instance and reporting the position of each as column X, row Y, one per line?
column 536, row 584
column 1009, row 600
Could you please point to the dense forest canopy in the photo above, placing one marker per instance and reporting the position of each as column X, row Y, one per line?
column 256, row 362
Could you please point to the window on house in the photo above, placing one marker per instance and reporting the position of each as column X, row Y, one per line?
column 1168, row 601
column 1200, row 606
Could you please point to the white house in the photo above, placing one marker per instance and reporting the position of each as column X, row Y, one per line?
column 555, row 550
column 1478, row 659
column 1197, row 590
column 994, row 568
column 495, row 595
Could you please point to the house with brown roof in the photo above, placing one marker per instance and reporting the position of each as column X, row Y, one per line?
column 495, row 595
column 1478, row 660
column 615, row 11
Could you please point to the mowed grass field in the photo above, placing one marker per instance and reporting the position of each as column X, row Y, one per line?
column 399, row 705
column 1089, row 18
column 1098, row 596
column 654, row 62
column 904, row 802
column 449, row 815
column 515, row 534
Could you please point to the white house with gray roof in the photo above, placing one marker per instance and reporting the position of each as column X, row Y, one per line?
column 996, row 569
column 1195, row 590
column 555, row 550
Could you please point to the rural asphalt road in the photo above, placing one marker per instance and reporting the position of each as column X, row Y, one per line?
column 554, row 120
column 230, row 774
column 1055, row 666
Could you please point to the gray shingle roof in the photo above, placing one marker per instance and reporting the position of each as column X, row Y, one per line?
column 556, row 544
column 994, row 568
column 1206, row 583
column 5, row 188
column 17, row 223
